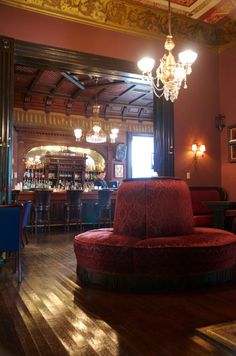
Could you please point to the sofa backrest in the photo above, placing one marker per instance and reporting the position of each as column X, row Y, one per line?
column 200, row 195
column 152, row 207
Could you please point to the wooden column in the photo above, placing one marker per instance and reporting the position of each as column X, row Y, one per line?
column 6, row 112
column 163, row 128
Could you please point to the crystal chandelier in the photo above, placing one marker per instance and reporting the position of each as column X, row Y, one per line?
column 169, row 74
column 96, row 134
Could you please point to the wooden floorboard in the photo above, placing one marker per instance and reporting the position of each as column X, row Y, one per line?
column 50, row 314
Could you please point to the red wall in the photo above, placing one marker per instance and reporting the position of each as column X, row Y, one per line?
column 195, row 108
column 51, row 31
column 227, row 75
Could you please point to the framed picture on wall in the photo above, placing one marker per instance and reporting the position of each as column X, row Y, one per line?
column 232, row 143
column 119, row 171
column 121, row 149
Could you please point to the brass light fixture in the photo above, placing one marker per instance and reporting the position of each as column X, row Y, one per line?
column 169, row 74
column 198, row 150
column 96, row 134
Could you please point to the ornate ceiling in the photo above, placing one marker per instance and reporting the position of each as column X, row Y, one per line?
column 209, row 11
column 212, row 22
column 74, row 94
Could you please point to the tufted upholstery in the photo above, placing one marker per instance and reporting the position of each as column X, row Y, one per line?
column 153, row 237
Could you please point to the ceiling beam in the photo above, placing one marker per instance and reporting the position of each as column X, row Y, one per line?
column 72, row 79
column 58, row 85
column 35, row 80
column 84, row 100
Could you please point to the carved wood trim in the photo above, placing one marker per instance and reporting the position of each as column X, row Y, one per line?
column 40, row 120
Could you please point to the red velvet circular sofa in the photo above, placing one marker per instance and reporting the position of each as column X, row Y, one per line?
column 153, row 242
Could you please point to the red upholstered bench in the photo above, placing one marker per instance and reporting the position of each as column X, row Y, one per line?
column 202, row 215
column 154, row 242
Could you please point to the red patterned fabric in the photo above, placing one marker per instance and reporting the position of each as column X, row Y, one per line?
column 147, row 209
column 203, row 251
column 130, row 213
column 168, row 208
column 102, row 250
column 156, row 207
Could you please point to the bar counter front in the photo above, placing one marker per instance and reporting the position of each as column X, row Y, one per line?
column 57, row 205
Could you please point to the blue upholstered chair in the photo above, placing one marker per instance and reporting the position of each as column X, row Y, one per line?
column 11, row 217
column 27, row 211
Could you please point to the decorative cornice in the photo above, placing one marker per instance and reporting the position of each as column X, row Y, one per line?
column 126, row 16
column 38, row 119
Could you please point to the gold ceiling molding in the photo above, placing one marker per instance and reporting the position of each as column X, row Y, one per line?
column 126, row 16
column 38, row 119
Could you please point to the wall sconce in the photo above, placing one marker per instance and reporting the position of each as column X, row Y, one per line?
column 198, row 150
column 220, row 122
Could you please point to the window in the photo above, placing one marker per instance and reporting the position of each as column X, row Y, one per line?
column 141, row 155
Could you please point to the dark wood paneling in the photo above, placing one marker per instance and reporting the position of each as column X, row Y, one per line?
column 69, row 82
column 163, row 128
column 6, row 109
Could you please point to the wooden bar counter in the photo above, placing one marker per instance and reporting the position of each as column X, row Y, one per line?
column 57, row 208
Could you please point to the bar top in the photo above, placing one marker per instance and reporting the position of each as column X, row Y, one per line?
column 61, row 196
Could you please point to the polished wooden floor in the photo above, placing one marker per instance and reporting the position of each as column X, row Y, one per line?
column 50, row 314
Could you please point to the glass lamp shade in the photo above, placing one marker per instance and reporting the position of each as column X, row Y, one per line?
column 202, row 148
column 113, row 137
column 115, row 131
column 96, row 135
column 194, row 147
column 146, row 64
column 96, row 129
column 187, row 57
column 78, row 134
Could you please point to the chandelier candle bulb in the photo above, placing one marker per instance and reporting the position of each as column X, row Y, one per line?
column 78, row 134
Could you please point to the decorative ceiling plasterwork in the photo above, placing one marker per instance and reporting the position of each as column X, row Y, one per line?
column 209, row 11
column 38, row 119
column 131, row 17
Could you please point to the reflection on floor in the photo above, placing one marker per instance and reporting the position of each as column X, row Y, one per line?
column 50, row 314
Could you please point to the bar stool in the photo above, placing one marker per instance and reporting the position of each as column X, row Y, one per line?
column 73, row 207
column 41, row 208
column 15, row 195
column 103, row 208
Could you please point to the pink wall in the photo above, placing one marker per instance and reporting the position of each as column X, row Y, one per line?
column 195, row 108
column 227, row 75
column 37, row 28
